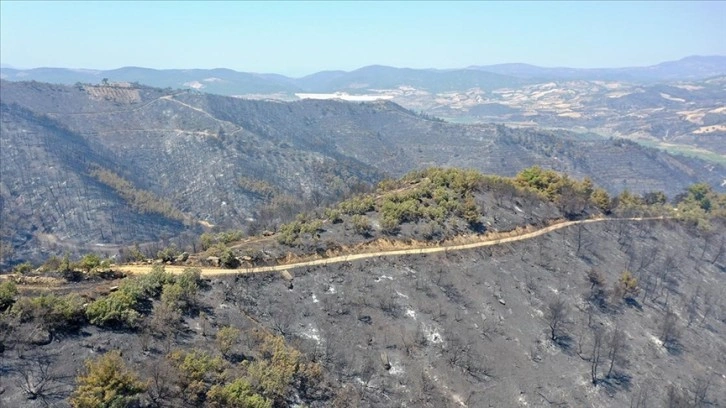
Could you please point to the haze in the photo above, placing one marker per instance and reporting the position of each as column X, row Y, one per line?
column 299, row 38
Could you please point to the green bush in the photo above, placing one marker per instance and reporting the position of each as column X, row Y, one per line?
column 357, row 205
column 23, row 268
column 196, row 372
column 333, row 215
column 227, row 257
column 150, row 285
column 51, row 311
column 8, row 291
column 361, row 224
column 168, row 254
column 182, row 294
column 118, row 308
column 290, row 233
column 89, row 262
column 226, row 338
column 237, row 394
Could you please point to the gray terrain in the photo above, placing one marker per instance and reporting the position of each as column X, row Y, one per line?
column 96, row 167
column 533, row 322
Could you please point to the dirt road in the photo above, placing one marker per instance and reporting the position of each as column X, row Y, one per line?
column 209, row 272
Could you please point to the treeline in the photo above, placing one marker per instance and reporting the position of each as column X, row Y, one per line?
column 439, row 195
column 140, row 200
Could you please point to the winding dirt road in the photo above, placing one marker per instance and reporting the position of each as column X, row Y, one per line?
column 210, row 272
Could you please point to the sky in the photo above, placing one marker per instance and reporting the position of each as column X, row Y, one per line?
column 299, row 38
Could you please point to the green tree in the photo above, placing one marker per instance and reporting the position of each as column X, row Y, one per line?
column 601, row 199
column 226, row 338
column 89, row 262
column 107, row 383
column 627, row 286
column 196, row 372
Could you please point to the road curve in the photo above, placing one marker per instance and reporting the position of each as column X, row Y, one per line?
column 210, row 272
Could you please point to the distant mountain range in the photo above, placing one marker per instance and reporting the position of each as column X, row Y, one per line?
column 230, row 82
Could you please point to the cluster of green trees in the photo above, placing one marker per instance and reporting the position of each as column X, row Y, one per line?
column 140, row 200
column 700, row 203
column 208, row 240
column 437, row 194
column 91, row 264
column 260, row 188
column 571, row 196
column 123, row 307
column 290, row 233
column 196, row 377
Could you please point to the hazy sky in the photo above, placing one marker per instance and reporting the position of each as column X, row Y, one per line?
column 298, row 38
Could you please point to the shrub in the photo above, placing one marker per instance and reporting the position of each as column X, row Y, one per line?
column 168, row 254
column 89, row 262
column 280, row 368
column 361, row 224
column 601, row 200
column 227, row 258
column 238, row 393
column 52, row 264
column 107, row 383
column 333, row 215
column 206, row 241
column 51, row 311
column 150, row 284
column 627, row 286
column 357, row 205
column 118, row 308
column 469, row 211
column 196, row 372
column 182, row 294
column 389, row 224
column 226, row 338
column 23, row 268
column 8, row 291
column 290, row 233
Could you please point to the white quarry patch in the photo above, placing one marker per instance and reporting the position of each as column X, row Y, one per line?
column 344, row 96
column 554, row 290
column 522, row 400
column 315, row 298
column 380, row 278
column 194, row 84
column 402, row 295
column 411, row 313
column 212, row 79
column 331, row 289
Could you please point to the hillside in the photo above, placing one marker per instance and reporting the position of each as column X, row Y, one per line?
column 547, row 319
column 677, row 106
column 182, row 161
